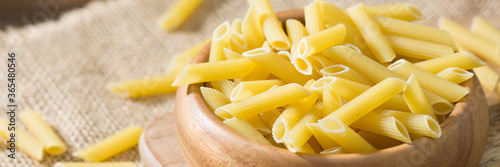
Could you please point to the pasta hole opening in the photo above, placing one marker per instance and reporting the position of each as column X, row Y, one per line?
column 55, row 150
column 434, row 126
column 442, row 108
column 235, row 93
column 118, row 89
column 333, row 150
column 222, row 31
column 396, row 64
column 332, row 125
column 460, row 71
column 334, row 69
column 303, row 66
column 291, row 147
column 280, row 45
column 180, row 76
column 279, row 130
column 403, row 131
column 223, row 114
column 414, row 11
column 236, row 39
column 301, row 49
column 477, row 59
column 320, row 83
column 255, row 52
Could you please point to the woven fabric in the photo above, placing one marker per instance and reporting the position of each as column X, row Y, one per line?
column 64, row 65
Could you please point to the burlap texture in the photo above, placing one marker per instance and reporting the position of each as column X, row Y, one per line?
column 64, row 65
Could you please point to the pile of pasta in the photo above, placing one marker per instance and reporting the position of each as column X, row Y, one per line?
column 350, row 80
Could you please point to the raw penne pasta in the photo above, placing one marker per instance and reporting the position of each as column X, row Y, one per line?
column 324, row 140
column 252, row 29
column 463, row 60
column 482, row 28
column 345, row 136
column 275, row 35
column 203, row 72
column 481, row 47
column 354, row 38
column 262, row 102
column 419, row 124
column 319, row 61
column 236, row 26
column 95, row 164
column 23, row 141
column 259, row 124
column 231, row 54
column 368, row 100
column 270, row 138
column 246, row 89
column 111, row 145
column 455, row 75
column 52, row 143
column 332, row 100
column 258, row 73
column 176, row 15
column 269, row 117
column 296, row 31
column 415, row 98
column 237, row 43
column 220, row 39
column 379, row 141
column 342, row 71
column 334, row 150
column 320, row 41
column 300, row 134
column 285, row 54
column 383, row 125
column 403, row 11
column 441, row 87
column 304, row 66
column 332, row 13
column 225, row 86
column 439, row 105
column 313, row 14
column 263, row 9
column 391, row 26
column 214, row 98
column 370, row 30
column 277, row 65
column 418, row 49
column 488, row 77
column 246, row 129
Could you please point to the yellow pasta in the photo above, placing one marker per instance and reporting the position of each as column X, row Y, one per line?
column 383, row 125
column 418, row 49
column 354, row 38
column 259, row 124
column 178, row 14
column 244, row 128
column 313, row 14
column 332, row 100
column 324, row 140
column 270, row 138
column 285, row 54
column 203, row 72
column 331, row 14
column 342, row 71
column 236, row 26
column 277, row 65
column 439, row 105
column 370, row 30
column 488, row 77
column 345, row 136
column 296, row 31
column 214, row 98
column 455, row 75
column 231, row 54
column 52, row 143
column 252, row 29
column 419, row 124
column 22, row 141
column 275, row 35
column 246, row 89
column 481, row 47
column 461, row 60
column 446, row 89
column 263, row 9
column 262, row 102
column 299, row 134
column 403, row 11
column 334, row 150
column 111, row 145
column 319, row 61
column 314, row 144
column 480, row 27
column 379, row 141
column 320, row 41
column 95, row 164
column 415, row 98
column 220, row 40
column 304, row 66
column 368, row 100
column 416, row 31
column 237, row 43
column 269, row 117
column 225, row 86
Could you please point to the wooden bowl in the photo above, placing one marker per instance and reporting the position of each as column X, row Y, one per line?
column 206, row 141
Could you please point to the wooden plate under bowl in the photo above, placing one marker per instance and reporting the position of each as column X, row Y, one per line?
column 206, row 141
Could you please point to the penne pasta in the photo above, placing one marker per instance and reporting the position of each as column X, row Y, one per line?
column 333, row 14
column 332, row 100
column 225, row 86
column 354, row 39
column 296, row 31
column 418, row 49
column 214, row 98
column 334, row 150
column 441, row 87
column 455, row 75
column 482, row 28
column 111, row 145
column 342, row 71
column 269, row 117
column 203, row 72
column 259, row 124
column 220, row 39
column 439, row 105
column 304, row 66
column 415, row 98
column 236, row 26
column 95, row 164
column 383, row 125
column 52, row 143
column 463, row 60
column 488, row 77
column 177, row 14
column 419, row 124
column 319, row 61
column 247, row 89
column 324, row 140
column 270, row 138
column 246, row 129
column 370, row 30
column 231, row 54
column 252, row 29
column 237, row 43
column 300, row 134
column 320, row 41
column 379, row 141
column 22, row 141
column 314, row 18
column 403, row 11
column 275, row 35
column 345, row 136
column 263, row 9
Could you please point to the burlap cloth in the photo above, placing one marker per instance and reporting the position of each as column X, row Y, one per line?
column 64, row 65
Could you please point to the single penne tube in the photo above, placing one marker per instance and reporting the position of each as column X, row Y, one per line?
column 176, row 15
column 269, row 117
column 111, row 145
column 354, row 38
column 246, row 89
column 275, row 35
column 345, row 136
column 23, row 141
column 403, row 11
column 488, row 77
column 379, row 141
column 237, row 43
column 246, row 129
column 319, row 61
column 314, row 18
column 481, row 47
column 342, row 71
column 296, row 31
column 439, row 105
column 258, row 73
column 383, row 125
column 262, row 102
column 419, row 124
column 231, row 54
column 332, row 100
column 482, row 28
column 418, row 49
column 334, row 150
column 304, row 66
column 285, row 54
column 263, row 9
column 416, row 31
column 259, row 124
column 368, row 100
column 252, row 29
column 236, row 26
column 316, row 43
column 277, row 65
column 324, row 140
column 95, row 164
column 441, row 87
column 225, row 86
column 292, row 114
column 220, row 40
column 42, row 131
column 332, row 13
column 370, row 30
column 415, row 98
column 463, row 60
column 300, row 134
column 214, row 98
column 455, row 75
column 203, row 72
